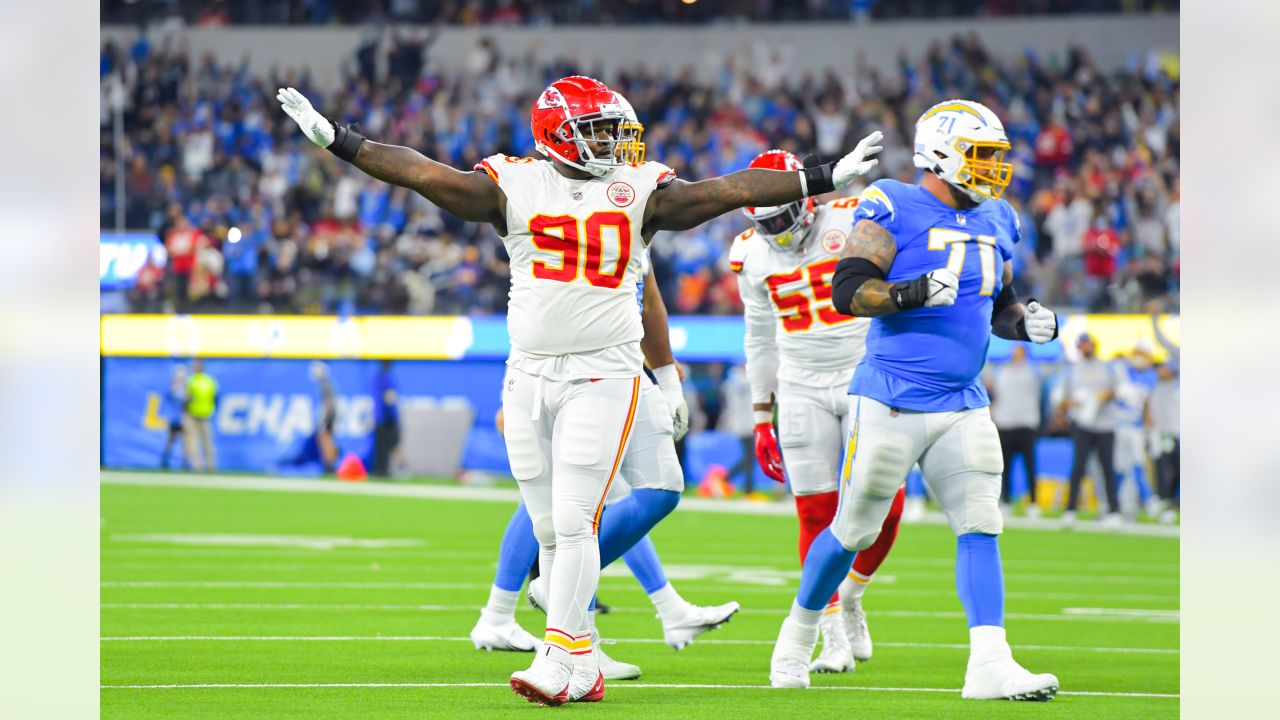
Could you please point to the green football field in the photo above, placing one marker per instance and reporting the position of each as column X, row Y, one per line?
column 229, row 602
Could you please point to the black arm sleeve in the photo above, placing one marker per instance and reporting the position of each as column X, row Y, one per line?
column 1008, row 296
column 850, row 274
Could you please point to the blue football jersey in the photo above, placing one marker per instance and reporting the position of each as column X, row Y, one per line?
column 930, row 359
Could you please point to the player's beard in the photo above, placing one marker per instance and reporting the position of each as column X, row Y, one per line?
column 963, row 201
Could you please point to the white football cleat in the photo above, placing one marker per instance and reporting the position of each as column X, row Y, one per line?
column 789, row 666
column 836, row 656
column 537, row 593
column 546, row 682
column 586, row 682
column 992, row 673
column 695, row 621
column 1005, row 679
column 505, row 635
column 609, row 668
column 855, row 622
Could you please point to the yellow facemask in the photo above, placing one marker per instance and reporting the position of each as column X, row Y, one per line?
column 988, row 173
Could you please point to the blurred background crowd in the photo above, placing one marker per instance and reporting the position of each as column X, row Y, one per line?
column 220, row 13
column 255, row 219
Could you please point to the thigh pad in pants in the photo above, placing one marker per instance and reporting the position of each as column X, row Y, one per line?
column 880, row 452
column 962, row 467
column 811, row 437
column 650, row 461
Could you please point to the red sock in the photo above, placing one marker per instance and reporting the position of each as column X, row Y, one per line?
column 869, row 559
column 816, row 513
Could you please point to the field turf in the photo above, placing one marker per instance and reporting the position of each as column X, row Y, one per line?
column 236, row 603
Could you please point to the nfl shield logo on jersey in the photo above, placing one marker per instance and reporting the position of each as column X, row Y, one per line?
column 833, row 241
column 959, row 219
column 577, row 194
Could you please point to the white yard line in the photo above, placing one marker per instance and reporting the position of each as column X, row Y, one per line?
column 636, row 686
column 607, row 641
column 1125, row 615
column 512, row 496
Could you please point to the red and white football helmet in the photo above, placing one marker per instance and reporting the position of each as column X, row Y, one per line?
column 784, row 226
column 573, row 114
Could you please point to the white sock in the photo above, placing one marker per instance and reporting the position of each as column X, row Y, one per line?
column 668, row 602
column 502, row 603
column 987, row 643
column 805, row 616
column 856, row 586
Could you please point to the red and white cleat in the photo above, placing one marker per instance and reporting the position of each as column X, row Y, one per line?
column 546, row 682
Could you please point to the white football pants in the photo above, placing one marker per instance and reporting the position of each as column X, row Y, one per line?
column 566, row 441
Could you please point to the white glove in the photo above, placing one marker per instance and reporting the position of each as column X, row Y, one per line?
column 315, row 126
column 943, row 285
column 669, row 383
column 856, row 162
column 1041, row 323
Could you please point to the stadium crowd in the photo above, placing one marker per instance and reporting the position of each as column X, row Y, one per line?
column 218, row 13
column 255, row 219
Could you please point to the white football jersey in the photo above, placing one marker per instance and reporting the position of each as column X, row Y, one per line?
column 576, row 249
column 793, row 332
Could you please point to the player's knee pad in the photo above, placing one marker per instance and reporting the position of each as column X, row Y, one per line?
column 572, row 521
column 582, row 438
column 523, row 449
column 544, row 529
column 858, row 525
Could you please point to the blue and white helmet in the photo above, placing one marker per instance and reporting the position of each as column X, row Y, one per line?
column 964, row 143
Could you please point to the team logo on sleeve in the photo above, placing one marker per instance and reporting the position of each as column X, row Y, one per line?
column 621, row 194
column 833, row 241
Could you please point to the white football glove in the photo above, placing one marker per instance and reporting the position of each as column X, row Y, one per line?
column 943, row 285
column 1041, row 323
column 856, row 162
column 315, row 126
column 669, row 383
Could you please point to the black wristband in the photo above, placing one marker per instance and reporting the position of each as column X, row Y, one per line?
column 912, row 294
column 817, row 180
column 346, row 141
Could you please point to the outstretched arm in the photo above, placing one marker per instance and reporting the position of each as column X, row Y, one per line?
column 469, row 195
column 683, row 205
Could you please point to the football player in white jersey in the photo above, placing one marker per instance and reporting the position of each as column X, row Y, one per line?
column 800, row 355
column 574, row 225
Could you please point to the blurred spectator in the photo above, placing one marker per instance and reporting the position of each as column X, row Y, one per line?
column 327, row 415
column 1162, row 421
column 1089, row 392
column 1015, row 408
column 386, row 418
column 202, row 402
column 1137, row 379
column 173, row 408
column 736, row 419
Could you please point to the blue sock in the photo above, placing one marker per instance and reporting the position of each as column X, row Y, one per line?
column 626, row 521
column 825, row 567
column 979, row 579
column 518, row 551
column 643, row 561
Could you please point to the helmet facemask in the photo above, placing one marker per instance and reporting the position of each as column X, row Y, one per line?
column 602, row 128
column 783, row 227
column 984, row 171
column 630, row 147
